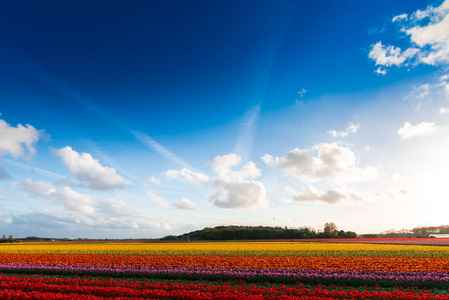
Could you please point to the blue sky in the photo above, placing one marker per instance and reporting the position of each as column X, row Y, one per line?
column 127, row 120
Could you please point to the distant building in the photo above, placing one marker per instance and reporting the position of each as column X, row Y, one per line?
column 439, row 235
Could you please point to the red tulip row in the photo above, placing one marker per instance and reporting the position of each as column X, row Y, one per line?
column 25, row 287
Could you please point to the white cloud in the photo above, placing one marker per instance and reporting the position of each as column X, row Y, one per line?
column 445, row 84
column 39, row 188
column 379, row 71
column 154, row 180
column 435, row 14
column 250, row 170
column 13, row 139
column 158, row 201
column 74, row 224
column 444, row 111
column 429, row 43
column 115, row 213
column 310, row 194
column 5, row 220
column 435, row 35
column 185, row 203
column 81, row 210
column 188, row 175
column 422, row 129
column 232, row 190
column 389, row 55
column 399, row 18
column 223, row 165
column 74, row 200
column 352, row 128
column 70, row 199
column 313, row 195
column 85, row 168
column 390, row 195
column 239, row 194
column 333, row 162
column 302, row 92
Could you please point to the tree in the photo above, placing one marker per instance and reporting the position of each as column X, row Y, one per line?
column 351, row 234
column 341, row 234
column 330, row 230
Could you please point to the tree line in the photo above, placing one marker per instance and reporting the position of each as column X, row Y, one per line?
column 263, row 233
column 10, row 239
column 417, row 232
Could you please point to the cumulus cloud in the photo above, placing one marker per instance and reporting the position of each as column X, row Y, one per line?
column 429, row 42
column 74, row 201
column 223, row 165
column 39, row 188
column 185, row 203
column 422, row 129
column 352, row 128
column 310, row 194
column 189, row 176
column 70, row 199
column 379, row 71
column 333, row 162
column 313, row 195
column 389, row 55
column 80, row 211
column 73, row 224
column 158, row 201
column 399, row 18
column 83, row 209
column 119, row 214
column 232, row 189
column 435, row 35
column 444, row 111
column 244, row 194
column 14, row 140
column 85, row 168
column 154, row 180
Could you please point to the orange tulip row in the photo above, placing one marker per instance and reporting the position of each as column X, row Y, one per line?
column 425, row 264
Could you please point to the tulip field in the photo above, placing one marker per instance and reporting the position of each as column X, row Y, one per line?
column 223, row 270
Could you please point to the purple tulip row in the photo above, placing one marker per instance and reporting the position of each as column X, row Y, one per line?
column 347, row 275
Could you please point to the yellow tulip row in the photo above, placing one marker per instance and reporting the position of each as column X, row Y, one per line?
column 230, row 248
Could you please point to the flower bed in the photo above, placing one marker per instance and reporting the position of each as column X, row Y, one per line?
column 249, row 271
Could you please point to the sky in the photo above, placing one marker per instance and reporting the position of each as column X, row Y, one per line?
column 151, row 118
